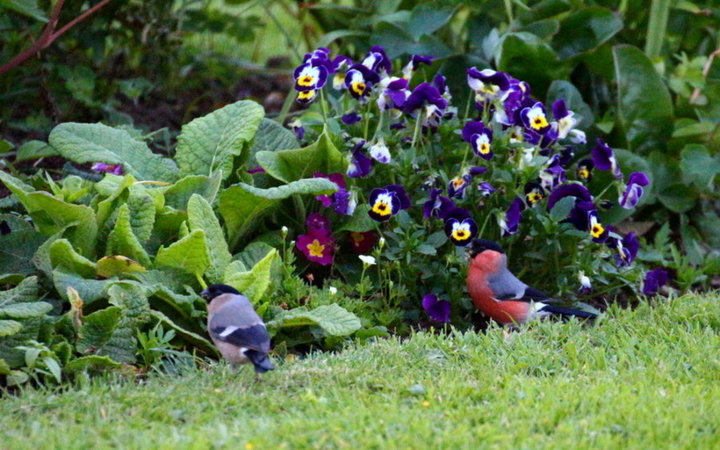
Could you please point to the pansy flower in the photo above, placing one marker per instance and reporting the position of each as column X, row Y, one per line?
column 626, row 249
column 480, row 138
column 351, row 118
column 485, row 189
column 359, row 80
column 377, row 61
column 456, row 187
column 487, row 83
column 424, row 94
column 380, row 152
column 597, row 230
column 565, row 118
column 363, row 242
column 336, row 178
column 387, row 201
column 534, row 119
column 317, row 246
column 604, row 158
column 633, row 190
column 534, row 192
column 553, row 175
column 342, row 201
column 115, row 169
column 305, row 97
column 437, row 310
column 338, row 64
column 359, row 165
column 584, row 170
column 460, row 227
column 414, row 63
column 566, row 155
column 297, row 127
column 654, row 280
column 309, row 77
column 437, row 206
column 393, row 93
column 510, row 222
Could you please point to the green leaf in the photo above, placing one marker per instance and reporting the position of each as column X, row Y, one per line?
column 89, row 290
column 26, row 291
column 142, row 215
column 189, row 254
column 291, row 165
column 427, row 18
column 678, row 198
column 95, row 142
column 177, row 195
column 51, row 215
column 92, row 363
column 241, row 205
column 645, row 109
column 62, row 254
column 397, row 41
column 97, row 329
column 17, row 250
column 560, row 89
column 528, row 58
column 271, row 137
column 29, row 331
column 360, row 220
column 193, row 338
column 26, row 7
column 9, row 327
column 202, row 217
column 255, row 282
column 25, row 310
column 333, row 319
column 698, row 167
column 252, row 254
column 211, row 142
column 122, row 240
column 106, row 206
column 426, row 249
column 34, row 150
column 585, row 30
column 117, row 266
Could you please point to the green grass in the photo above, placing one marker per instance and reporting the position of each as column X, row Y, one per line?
column 638, row 379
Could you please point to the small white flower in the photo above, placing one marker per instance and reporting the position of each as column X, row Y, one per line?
column 381, row 242
column 332, row 290
column 584, row 280
column 367, row 260
column 380, row 152
column 284, row 230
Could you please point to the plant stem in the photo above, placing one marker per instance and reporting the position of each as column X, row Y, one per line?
column 657, row 25
column 508, row 11
column 323, row 107
column 416, row 132
column 485, row 222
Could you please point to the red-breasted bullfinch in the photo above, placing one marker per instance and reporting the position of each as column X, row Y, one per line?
column 236, row 329
column 501, row 295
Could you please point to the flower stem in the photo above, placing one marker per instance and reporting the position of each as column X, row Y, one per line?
column 485, row 222
column 323, row 107
column 416, row 132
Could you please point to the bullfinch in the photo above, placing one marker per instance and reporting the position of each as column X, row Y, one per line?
column 236, row 329
column 501, row 295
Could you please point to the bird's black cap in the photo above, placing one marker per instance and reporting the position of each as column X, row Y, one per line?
column 214, row 290
column 480, row 245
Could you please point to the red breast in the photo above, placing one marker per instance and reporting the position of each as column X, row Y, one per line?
column 504, row 312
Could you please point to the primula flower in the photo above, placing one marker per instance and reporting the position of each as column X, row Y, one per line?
column 626, row 249
column 480, row 138
column 456, row 187
column 510, row 222
column 485, row 189
column 317, row 222
column 363, row 242
column 534, row 192
column 388, row 201
column 380, row 152
column 634, row 190
column 359, row 165
column 414, row 63
column 359, row 80
column 584, row 170
column 654, row 280
column 351, row 118
column 534, row 119
column 437, row 206
column 115, row 169
column 604, row 158
column 460, row 228
column 317, row 246
column 487, row 84
column 437, row 310
column 393, row 93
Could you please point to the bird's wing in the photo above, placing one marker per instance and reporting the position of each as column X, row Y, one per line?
column 507, row 286
column 254, row 337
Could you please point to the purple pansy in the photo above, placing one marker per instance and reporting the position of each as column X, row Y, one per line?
column 414, row 63
column 359, row 165
column 380, row 152
column 534, row 119
column 460, row 228
column 534, row 192
column 437, row 310
column 115, row 169
column 654, row 280
column 634, row 190
column 437, row 206
column 377, row 61
column 424, row 93
column 485, row 189
column 297, row 127
column 480, row 138
column 456, row 187
column 597, row 230
column 604, row 158
column 344, row 202
column 584, row 170
column 487, row 83
column 387, row 201
column 351, row 118
column 553, row 175
column 566, row 155
column 309, row 77
column 564, row 117
column 576, row 190
column 359, row 80
column 510, row 222
column 394, row 92
column 626, row 249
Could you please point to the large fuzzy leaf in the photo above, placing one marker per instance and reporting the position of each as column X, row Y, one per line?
column 122, row 240
column 9, row 327
column 178, row 195
column 241, row 204
column 97, row 329
column 211, row 142
column 52, row 215
column 271, row 137
column 290, row 165
column 333, row 319
column 645, row 109
column 202, row 217
column 252, row 283
column 189, row 254
column 91, row 363
column 17, row 250
column 89, row 290
column 117, row 265
column 193, row 338
column 21, row 301
column 117, row 196
column 29, row 331
column 95, row 142
column 64, row 255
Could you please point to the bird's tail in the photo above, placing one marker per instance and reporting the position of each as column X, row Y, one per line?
column 566, row 313
column 260, row 360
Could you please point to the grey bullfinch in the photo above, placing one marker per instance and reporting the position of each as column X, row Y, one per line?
column 236, row 329
column 501, row 295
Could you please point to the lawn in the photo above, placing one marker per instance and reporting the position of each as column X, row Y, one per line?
column 646, row 378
